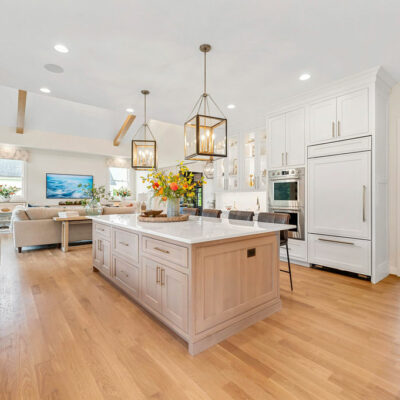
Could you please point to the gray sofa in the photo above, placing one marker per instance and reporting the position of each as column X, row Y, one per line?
column 34, row 226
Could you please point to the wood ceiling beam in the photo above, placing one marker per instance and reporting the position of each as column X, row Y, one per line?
column 124, row 128
column 21, row 111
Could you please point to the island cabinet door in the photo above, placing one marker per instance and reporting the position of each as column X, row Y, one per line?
column 97, row 253
column 174, row 297
column 233, row 279
column 105, row 248
column 151, row 284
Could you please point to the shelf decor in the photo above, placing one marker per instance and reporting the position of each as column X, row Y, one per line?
column 144, row 145
column 205, row 133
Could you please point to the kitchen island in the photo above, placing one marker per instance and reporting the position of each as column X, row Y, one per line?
column 205, row 278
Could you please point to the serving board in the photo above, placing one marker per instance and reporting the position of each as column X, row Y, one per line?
column 163, row 218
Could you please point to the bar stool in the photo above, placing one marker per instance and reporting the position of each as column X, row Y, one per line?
column 280, row 218
column 190, row 211
column 209, row 212
column 241, row 215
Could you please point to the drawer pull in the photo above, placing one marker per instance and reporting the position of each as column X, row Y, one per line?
column 162, row 250
column 162, row 277
column 363, row 210
column 124, row 244
column 100, row 229
column 335, row 241
column 333, row 129
column 158, row 274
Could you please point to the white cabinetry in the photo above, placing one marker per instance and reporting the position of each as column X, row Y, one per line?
column 102, row 254
column 339, row 192
column 340, row 117
column 286, row 145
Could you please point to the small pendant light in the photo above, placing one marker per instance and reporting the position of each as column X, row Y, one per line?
column 205, row 133
column 144, row 150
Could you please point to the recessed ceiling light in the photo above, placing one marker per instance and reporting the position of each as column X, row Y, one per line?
column 304, row 77
column 54, row 68
column 61, row 48
column 231, row 106
column 130, row 110
column 45, row 90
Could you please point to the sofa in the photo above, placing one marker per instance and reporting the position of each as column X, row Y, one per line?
column 34, row 226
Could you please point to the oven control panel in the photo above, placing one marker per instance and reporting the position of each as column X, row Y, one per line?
column 286, row 173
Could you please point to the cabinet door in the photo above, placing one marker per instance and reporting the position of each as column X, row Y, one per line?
column 277, row 145
column 233, row 163
column 151, row 284
column 249, row 167
column 323, row 121
column 175, row 297
column 105, row 247
column 295, row 130
column 339, row 195
column 127, row 276
column 97, row 253
column 352, row 114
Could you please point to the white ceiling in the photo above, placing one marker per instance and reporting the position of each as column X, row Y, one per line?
column 260, row 47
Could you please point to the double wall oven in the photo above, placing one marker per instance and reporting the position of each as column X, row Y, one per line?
column 286, row 194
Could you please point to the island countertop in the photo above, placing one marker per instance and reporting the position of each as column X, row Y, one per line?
column 195, row 230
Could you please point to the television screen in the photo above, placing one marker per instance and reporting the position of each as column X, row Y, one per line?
column 65, row 186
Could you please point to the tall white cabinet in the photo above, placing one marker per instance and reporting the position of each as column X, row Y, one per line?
column 345, row 151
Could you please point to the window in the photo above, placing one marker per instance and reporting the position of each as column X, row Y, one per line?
column 119, row 177
column 12, row 174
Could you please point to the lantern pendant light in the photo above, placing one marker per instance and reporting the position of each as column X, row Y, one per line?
column 144, row 150
column 205, row 133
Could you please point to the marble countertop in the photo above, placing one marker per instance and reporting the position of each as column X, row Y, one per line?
column 195, row 230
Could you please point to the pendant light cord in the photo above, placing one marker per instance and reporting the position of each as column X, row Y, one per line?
column 145, row 118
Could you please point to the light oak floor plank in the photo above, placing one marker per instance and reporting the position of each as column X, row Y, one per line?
column 66, row 333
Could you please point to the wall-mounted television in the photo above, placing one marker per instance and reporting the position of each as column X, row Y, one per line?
column 65, row 186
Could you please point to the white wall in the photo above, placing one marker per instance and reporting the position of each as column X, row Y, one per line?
column 394, row 181
column 43, row 161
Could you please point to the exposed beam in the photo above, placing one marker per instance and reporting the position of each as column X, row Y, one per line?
column 21, row 111
column 124, row 128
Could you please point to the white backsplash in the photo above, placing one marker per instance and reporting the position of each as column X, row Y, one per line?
column 245, row 201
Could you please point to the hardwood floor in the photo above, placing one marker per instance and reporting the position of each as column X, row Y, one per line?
column 66, row 333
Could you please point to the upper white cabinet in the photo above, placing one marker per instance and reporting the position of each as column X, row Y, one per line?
column 340, row 117
column 352, row 114
column 322, row 121
column 286, row 147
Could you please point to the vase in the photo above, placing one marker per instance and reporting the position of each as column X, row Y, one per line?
column 173, row 207
column 93, row 208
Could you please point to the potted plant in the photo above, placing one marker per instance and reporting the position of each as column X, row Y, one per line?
column 93, row 194
column 122, row 192
column 171, row 187
column 6, row 192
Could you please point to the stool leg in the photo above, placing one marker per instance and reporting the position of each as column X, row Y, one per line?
column 289, row 267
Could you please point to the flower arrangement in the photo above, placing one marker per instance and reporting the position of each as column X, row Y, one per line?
column 172, row 186
column 7, row 191
column 122, row 192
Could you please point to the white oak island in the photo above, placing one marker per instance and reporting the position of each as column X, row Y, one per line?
column 205, row 278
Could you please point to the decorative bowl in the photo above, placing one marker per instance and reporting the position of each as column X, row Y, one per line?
column 151, row 213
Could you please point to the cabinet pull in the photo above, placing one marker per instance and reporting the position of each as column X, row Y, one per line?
column 158, row 274
column 283, row 163
column 99, row 246
column 124, row 243
column 162, row 250
column 335, row 241
column 286, row 158
column 162, row 277
column 363, row 212
column 333, row 129
column 338, row 128
column 100, row 229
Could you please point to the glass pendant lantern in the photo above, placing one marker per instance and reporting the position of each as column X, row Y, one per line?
column 206, row 128
column 144, row 145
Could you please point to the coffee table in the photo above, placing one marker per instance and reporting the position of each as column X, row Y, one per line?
column 81, row 219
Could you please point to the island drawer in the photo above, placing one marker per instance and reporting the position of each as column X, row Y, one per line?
column 126, row 244
column 167, row 251
column 101, row 230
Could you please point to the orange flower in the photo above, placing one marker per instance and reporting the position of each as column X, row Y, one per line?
column 164, row 198
column 173, row 186
column 161, row 191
